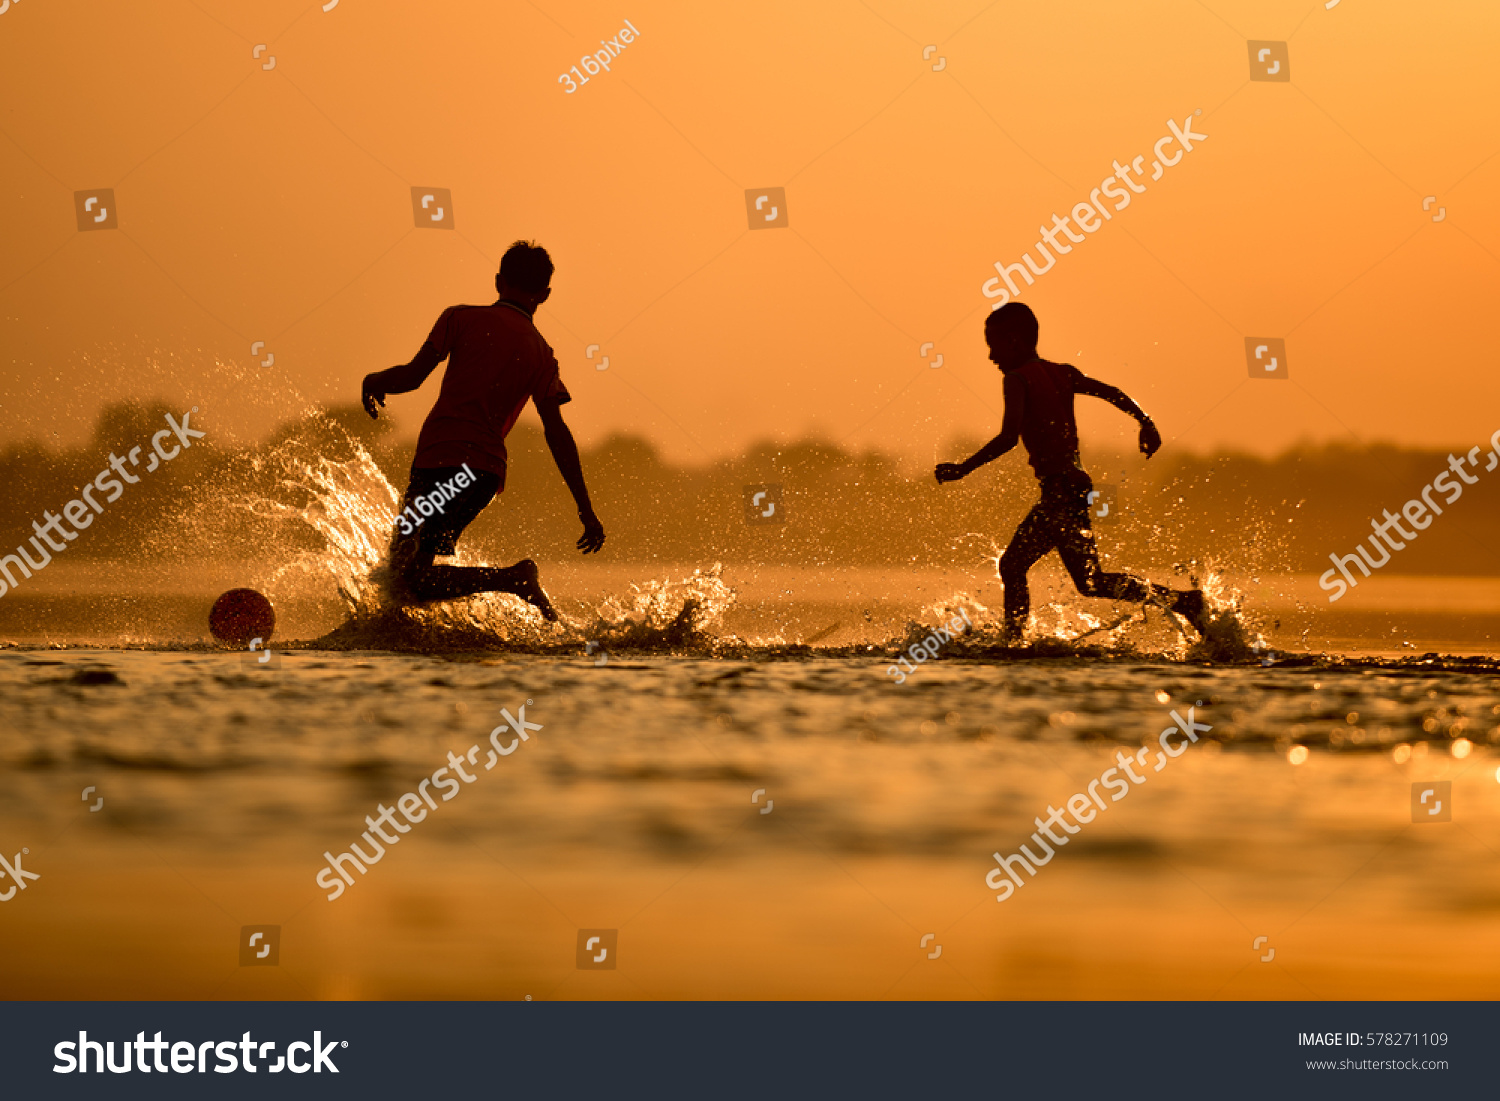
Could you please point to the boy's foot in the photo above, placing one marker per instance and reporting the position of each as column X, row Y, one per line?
column 528, row 586
column 1193, row 607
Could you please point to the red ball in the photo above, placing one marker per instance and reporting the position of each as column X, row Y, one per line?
column 241, row 615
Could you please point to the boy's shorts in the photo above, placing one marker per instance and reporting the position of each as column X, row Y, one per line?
column 452, row 507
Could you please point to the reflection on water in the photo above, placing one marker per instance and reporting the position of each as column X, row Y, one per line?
column 632, row 809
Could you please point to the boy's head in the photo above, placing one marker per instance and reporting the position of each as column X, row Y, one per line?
column 1011, row 333
column 525, row 274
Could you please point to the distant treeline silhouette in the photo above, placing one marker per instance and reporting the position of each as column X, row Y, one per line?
column 842, row 507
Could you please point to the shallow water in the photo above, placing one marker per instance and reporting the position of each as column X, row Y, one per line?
column 632, row 810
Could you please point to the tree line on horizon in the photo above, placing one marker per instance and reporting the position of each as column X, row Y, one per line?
column 840, row 507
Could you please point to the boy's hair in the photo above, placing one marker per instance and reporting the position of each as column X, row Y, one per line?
column 1013, row 321
column 527, row 267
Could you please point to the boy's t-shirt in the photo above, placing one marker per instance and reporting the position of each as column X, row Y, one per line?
column 1039, row 408
column 497, row 361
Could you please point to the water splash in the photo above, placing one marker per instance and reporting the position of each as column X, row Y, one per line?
column 1063, row 627
column 666, row 613
column 346, row 506
column 321, row 486
column 1234, row 635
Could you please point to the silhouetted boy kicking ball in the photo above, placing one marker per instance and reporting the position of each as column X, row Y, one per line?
column 497, row 361
column 1039, row 413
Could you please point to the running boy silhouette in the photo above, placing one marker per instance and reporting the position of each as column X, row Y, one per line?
column 1039, row 413
column 497, row 361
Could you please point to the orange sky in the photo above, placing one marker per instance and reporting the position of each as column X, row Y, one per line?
column 274, row 205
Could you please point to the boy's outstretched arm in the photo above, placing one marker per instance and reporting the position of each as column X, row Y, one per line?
column 1150, row 438
column 565, row 453
column 1010, row 435
column 401, row 379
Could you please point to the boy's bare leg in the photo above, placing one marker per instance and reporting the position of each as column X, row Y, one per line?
column 1061, row 520
column 1081, row 557
column 419, row 580
column 453, row 582
column 1035, row 537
